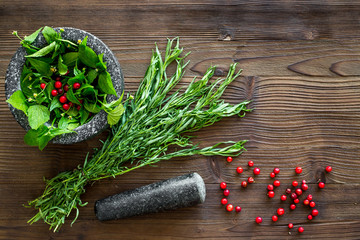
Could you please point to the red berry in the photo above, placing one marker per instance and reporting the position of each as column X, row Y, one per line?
column 300, row 229
column 67, row 72
column 309, row 197
column 237, row 209
column 296, row 201
column 270, row 187
column 66, row 106
column 303, row 182
column 271, row 194
column 229, row 159
column 78, row 107
column 283, row 198
column 295, row 183
column 81, row 101
column 304, row 187
column 298, row 191
column 42, row 85
column 226, row 192
column 76, row 85
column 60, row 90
column 224, row 201
column 314, row 212
column 58, row 84
column 223, row 185
column 298, row 170
column 276, row 170
column 256, row 171
column 280, row 211
column 66, row 87
column 258, row 220
column 294, row 196
column 54, row 93
column 63, row 99
column 328, row 169
column 321, row 185
column 274, row 218
column 229, row 207
column 306, row 202
column 276, row 183
column 244, row 184
column 310, row 217
column 272, row 175
column 58, row 78
column 292, row 206
column 239, row 170
column 312, row 204
column 291, row 225
column 251, row 180
column 288, row 191
column 251, row 163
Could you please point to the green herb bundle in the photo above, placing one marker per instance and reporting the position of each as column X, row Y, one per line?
column 152, row 121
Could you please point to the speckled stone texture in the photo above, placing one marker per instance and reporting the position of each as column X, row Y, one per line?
column 183, row 191
column 99, row 122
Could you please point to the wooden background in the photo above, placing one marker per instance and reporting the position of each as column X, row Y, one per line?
column 301, row 62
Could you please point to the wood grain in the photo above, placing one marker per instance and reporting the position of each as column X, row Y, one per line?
column 300, row 64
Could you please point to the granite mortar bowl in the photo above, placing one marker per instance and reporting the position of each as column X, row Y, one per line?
column 99, row 121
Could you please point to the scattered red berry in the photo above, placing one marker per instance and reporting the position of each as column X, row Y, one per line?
column 296, row 201
column 63, row 99
column 283, row 198
column 229, row 207
column 224, row 201
column 58, row 78
column 244, row 184
column 223, row 185
column 226, row 192
column 58, row 84
column 300, row 229
column 321, row 185
column 274, row 218
column 78, row 107
column 276, row 170
column 312, row 204
column 306, row 202
column 250, row 163
column 314, row 212
column 229, row 159
column 298, row 170
column 60, row 90
column 276, row 183
column 66, row 87
column 309, row 197
column 298, row 191
column 280, row 211
column 76, row 85
column 303, row 182
column 292, row 206
column 294, row 183
column 258, row 220
column 81, row 101
column 42, row 85
column 270, row 187
column 328, row 169
column 237, row 209
column 271, row 194
column 67, row 72
column 239, row 170
column 251, row 180
column 272, row 175
column 304, row 187
column 54, row 93
column 291, row 225
column 66, row 106
column 288, row 191
column 294, row 196
column 256, row 171
column 310, row 217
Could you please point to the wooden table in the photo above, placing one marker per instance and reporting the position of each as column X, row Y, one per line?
column 301, row 66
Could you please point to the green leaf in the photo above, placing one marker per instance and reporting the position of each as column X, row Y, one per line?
column 87, row 55
column 50, row 34
column 73, row 112
column 63, row 123
column 44, row 51
column 31, row 137
column 72, row 126
column 114, row 115
column 71, row 97
column 105, row 83
column 62, row 68
column 84, row 115
column 44, row 140
column 57, row 131
column 70, row 58
column 18, row 101
column 31, row 38
column 38, row 115
column 91, row 107
column 40, row 66
column 56, row 50
column 55, row 103
column 101, row 65
column 92, row 74
column 78, row 78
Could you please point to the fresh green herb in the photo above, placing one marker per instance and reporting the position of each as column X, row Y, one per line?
column 53, row 87
column 152, row 122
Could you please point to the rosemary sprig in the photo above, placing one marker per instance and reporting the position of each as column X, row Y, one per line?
column 152, row 122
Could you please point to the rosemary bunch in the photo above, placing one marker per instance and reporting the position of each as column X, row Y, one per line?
column 152, row 121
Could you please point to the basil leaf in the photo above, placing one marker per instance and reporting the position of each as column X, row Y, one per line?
column 72, row 126
column 63, row 123
column 114, row 115
column 70, row 58
column 55, row 103
column 31, row 137
column 84, row 115
column 73, row 112
column 78, row 78
column 38, row 115
column 91, row 107
column 62, row 68
column 44, row 51
column 50, row 34
column 40, row 66
column 71, row 97
column 44, row 140
column 18, row 101
column 105, row 83
column 101, row 65
column 31, row 38
column 92, row 74
column 57, row 131
column 87, row 55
